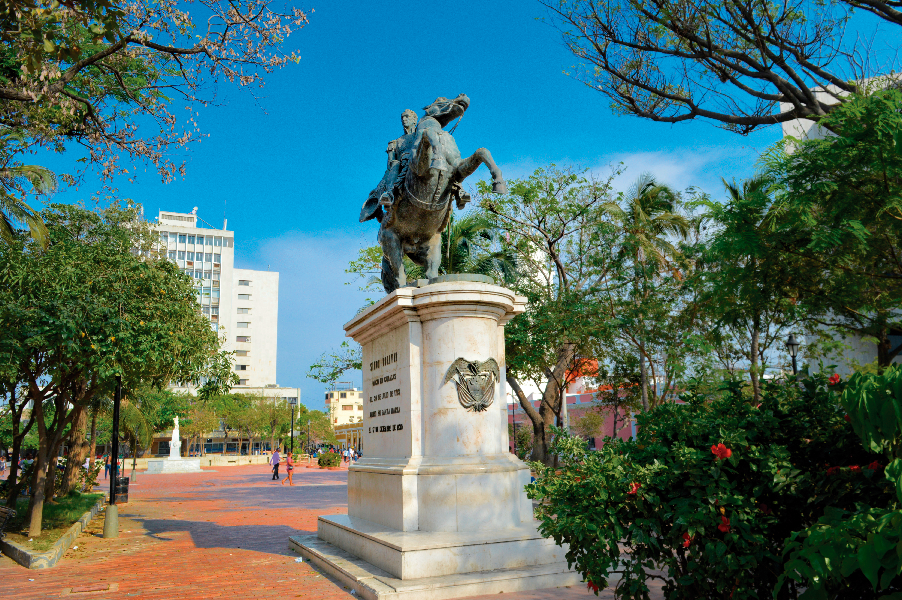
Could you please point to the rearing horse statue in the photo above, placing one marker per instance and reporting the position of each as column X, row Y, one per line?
column 413, row 201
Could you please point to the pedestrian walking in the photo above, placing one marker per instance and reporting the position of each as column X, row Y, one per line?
column 289, row 468
column 106, row 465
column 274, row 461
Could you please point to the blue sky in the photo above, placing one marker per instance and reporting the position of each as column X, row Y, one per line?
column 291, row 169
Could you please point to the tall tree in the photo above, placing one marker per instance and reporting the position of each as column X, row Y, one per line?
column 94, row 305
column 837, row 220
column 554, row 221
column 651, row 225
column 747, row 284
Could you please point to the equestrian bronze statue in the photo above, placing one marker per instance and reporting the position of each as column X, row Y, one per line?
column 413, row 201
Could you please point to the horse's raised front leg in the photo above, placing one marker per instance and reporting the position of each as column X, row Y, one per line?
column 393, row 274
column 434, row 256
column 482, row 156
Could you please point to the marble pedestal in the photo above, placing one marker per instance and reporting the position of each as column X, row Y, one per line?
column 436, row 508
column 169, row 465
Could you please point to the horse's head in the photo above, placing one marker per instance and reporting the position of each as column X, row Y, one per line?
column 444, row 110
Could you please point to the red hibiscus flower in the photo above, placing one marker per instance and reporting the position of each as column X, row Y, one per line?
column 687, row 539
column 834, row 379
column 855, row 469
column 721, row 452
column 764, row 508
column 724, row 525
column 634, row 487
column 847, row 418
column 874, row 466
column 832, row 471
column 593, row 587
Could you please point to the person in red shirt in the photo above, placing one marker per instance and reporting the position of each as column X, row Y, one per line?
column 289, row 468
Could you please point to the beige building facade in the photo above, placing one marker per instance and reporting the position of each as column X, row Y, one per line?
column 344, row 406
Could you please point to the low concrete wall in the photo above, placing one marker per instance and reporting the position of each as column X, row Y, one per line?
column 44, row 560
column 212, row 460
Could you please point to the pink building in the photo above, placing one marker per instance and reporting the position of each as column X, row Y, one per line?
column 578, row 404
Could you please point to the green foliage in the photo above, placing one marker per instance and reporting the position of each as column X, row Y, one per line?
column 836, row 218
column 329, row 459
column 332, row 365
column 522, row 434
column 716, row 527
column 858, row 552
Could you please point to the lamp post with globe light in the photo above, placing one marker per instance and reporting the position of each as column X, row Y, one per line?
column 292, row 402
column 793, row 347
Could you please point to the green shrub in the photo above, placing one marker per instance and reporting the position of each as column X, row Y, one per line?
column 329, row 459
column 857, row 553
column 708, row 493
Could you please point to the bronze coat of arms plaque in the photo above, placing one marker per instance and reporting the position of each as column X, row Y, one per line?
column 475, row 382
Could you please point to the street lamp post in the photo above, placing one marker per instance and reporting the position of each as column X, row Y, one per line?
column 117, row 400
column 793, row 347
column 309, row 444
column 292, row 402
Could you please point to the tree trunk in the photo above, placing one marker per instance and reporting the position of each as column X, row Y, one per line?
column 52, row 461
column 19, row 433
column 93, row 436
column 643, row 380
column 78, row 449
column 753, row 371
column 883, row 350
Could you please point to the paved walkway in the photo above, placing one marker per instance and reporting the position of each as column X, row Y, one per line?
column 216, row 534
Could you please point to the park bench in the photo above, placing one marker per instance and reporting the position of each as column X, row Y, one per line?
column 5, row 515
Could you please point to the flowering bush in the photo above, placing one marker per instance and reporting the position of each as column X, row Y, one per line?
column 857, row 553
column 707, row 494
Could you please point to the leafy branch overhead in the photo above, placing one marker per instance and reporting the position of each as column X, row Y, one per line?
column 89, row 72
column 743, row 64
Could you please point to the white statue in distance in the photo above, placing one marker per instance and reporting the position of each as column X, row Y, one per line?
column 176, row 444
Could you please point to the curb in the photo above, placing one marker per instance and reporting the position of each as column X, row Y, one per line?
column 49, row 558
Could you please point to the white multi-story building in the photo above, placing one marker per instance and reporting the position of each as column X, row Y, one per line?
column 242, row 305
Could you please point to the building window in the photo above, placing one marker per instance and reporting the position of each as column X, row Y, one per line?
column 241, row 352
column 190, row 239
column 191, row 256
column 347, row 407
column 208, row 240
column 244, row 296
column 243, row 324
column 217, row 241
column 243, row 338
column 172, row 255
column 242, row 382
column 244, row 311
column 208, row 257
column 241, row 367
column 327, row 395
column 244, row 282
column 182, row 238
column 181, row 255
column 343, row 395
column 217, row 258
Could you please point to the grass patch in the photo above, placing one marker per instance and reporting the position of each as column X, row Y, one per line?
column 58, row 517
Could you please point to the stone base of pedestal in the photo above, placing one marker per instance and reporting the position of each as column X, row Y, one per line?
column 372, row 583
column 167, row 465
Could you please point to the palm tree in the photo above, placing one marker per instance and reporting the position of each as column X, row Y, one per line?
column 648, row 217
column 13, row 181
column 471, row 245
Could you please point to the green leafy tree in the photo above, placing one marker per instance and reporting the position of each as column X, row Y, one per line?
column 649, row 220
column 746, row 282
column 554, row 221
column 95, row 304
column 15, row 180
column 837, row 220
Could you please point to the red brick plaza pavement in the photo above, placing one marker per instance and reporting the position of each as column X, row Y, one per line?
column 216, row 534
